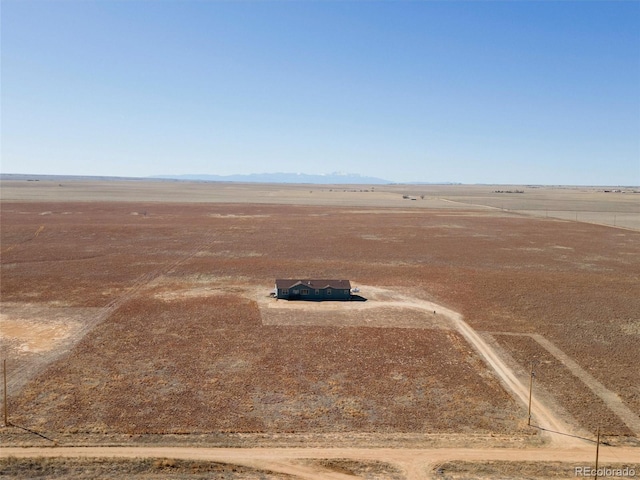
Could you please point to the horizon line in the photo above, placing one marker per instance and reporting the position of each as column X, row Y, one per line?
column 164, row 178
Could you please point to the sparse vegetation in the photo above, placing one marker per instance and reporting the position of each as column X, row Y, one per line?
column 185, row 348
column 507, row 470
column 159, row 355
column 371, row 470
column 143, row 468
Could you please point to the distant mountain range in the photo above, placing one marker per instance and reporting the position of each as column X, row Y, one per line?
column 335, row 178
column 330, row 178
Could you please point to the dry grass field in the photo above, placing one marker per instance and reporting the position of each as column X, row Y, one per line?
column 148, row 469
column 614, row 206
column 150, row 314
column 188, row 351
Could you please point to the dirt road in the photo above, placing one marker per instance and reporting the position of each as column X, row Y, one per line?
column 554, row 426
column 415, row 463
column 558, row 431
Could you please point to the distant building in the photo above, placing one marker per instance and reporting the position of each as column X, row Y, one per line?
column 294, row 289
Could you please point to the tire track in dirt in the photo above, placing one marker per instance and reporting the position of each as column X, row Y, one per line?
column 35, row 235
column 21, row 374
column 610, row 399
column 559, row 431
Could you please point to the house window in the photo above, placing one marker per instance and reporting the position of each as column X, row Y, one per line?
column 346, row 292
column 285, row 291
column 295, row 292
column 304, row 291
column 328, row 291
column 317, row 292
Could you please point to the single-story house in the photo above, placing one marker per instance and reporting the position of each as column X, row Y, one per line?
column 295, row 289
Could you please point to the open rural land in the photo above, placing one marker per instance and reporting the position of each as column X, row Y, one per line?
column 141, row 339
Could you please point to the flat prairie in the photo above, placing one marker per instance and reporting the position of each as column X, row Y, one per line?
column 614, row 206
column 143, row 308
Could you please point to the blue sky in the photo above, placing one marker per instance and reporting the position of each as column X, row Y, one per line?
column 473, row 92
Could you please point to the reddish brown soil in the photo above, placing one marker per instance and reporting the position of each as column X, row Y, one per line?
column 566, row 388
column 208, row 364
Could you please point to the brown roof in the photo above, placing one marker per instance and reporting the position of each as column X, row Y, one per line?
column 312, row 283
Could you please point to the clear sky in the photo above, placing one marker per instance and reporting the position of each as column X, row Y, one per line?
column 474, row 92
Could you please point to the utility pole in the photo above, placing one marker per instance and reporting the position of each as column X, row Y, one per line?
column 4, row 376
column 597, row 451
column 533, row 374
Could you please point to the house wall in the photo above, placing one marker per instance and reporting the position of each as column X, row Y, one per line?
column 336, row 294
column 322, row 294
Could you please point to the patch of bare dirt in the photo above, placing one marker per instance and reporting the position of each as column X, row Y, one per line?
column 40, row 327
column 373, row 307
column 33, row 335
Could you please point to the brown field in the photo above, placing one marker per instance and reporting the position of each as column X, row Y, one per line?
column 150, row 315
column 108, row 468
column 614, row 206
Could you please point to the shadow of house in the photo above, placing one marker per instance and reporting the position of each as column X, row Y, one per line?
column 315, row 290
column 357, row 298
